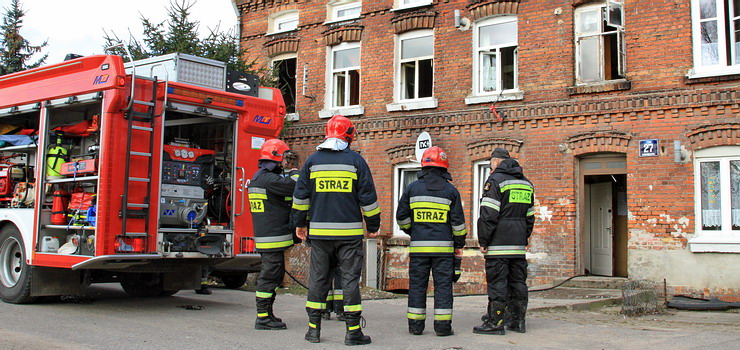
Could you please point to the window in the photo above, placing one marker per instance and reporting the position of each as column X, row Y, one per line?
column 481, row 170
column 716, row 35
column 284, row 22
column 403, row 175
column 404, row 4
column 496, row 51
column 717, row 197
column 599, row 45
column 345, row 73
column 416, row 73
column 343, row 10
column 284, row 68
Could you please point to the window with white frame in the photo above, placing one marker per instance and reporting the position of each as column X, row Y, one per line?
column 403, row 175
column 496, row 53
column 403, row 4
column 481, row 170
column 716, row 36
column 284, row 22
column 342, row 10
column 284, row 69
column 345, row 75
column 717, row 199
column 599, row 44
column 415, row 70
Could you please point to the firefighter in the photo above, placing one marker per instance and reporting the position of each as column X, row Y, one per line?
column 504, row 226
column 431, row 212
column 270, row 197
column 336, row 190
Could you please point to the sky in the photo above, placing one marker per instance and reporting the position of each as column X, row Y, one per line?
column 76, row 26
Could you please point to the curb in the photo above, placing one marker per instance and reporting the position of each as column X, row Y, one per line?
column 585, row 306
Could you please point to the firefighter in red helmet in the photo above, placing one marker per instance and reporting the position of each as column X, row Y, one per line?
column 431, row 212
column 336, row 190
column 270, row 199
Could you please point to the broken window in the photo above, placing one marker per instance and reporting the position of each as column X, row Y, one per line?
column 285, row 71
column 599, row 44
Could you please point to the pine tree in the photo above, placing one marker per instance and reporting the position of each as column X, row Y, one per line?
column 16, row 51
column 180, row 34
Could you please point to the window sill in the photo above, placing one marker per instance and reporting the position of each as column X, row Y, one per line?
column 340, row 20
column 511, row 95
column 606, row 86
column 411, row 6
column 345, row 111
column 712, row 75
column 291, row 117
column 412, row 105
column 715, row 243
column 281, row 32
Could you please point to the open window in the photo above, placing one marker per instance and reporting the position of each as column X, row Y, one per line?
column 345, row 75
column 496, row 52
column 284, row 68
column 599, row 43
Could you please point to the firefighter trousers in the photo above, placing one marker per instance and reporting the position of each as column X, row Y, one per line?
column 507, row 279
column 348, row 256
column 443, row 271
column 272, row 273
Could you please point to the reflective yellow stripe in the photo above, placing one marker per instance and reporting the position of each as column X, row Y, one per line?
column 301, row 207
column 273, row 245
column 352, row 328
column 311, row 325
column 338, row 297
column 337, row 232
column 352, row 308
column 431, row 249
column 263, row 314
column 506, row 252
column 265, row 295
column 490, row 205
column 375, row 211
column 333, row 173
column 416, row 316
column 329, row 298
column 516, row 187
column 431, row 205
column 315, row 305
column 460, row 233
column 405, row 227
column 446, row 317
column 259, row 196
column 530, row 213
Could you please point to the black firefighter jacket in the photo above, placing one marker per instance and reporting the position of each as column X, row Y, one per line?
column 336, row 190
column 270, row 198
column 506, row 212
column 431, row 212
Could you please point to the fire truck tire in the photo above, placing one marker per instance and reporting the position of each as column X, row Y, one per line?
column 234, row 281
column 15, row 274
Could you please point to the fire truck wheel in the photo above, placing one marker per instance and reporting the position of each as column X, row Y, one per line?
column 140, row 286
column 234, row 281
column 15, row 274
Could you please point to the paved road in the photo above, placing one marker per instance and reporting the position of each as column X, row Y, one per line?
column 111, row 320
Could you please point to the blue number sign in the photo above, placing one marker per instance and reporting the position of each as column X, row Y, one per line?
column 649, row 148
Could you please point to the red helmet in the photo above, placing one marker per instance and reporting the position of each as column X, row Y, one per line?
column 273, row 149
column 435, row 156
column 341, row 127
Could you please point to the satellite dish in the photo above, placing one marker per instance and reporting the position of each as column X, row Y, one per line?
column 423, row 142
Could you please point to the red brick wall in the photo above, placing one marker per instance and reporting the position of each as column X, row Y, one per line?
column 556, row 127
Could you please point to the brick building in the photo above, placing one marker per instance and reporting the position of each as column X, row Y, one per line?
column 624, row 114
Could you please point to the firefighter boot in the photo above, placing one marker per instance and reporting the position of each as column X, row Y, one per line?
column 272, row 313
column 519, row 311
column 495, row 323
column 203, row 289
column 264, row 321
column 443, row 328
column 314, row 326
column 416, row 327
column 354, row 334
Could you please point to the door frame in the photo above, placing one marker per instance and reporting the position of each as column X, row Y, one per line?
column 610, row 164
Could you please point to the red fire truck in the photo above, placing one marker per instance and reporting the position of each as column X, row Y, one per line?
column 109, row 176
